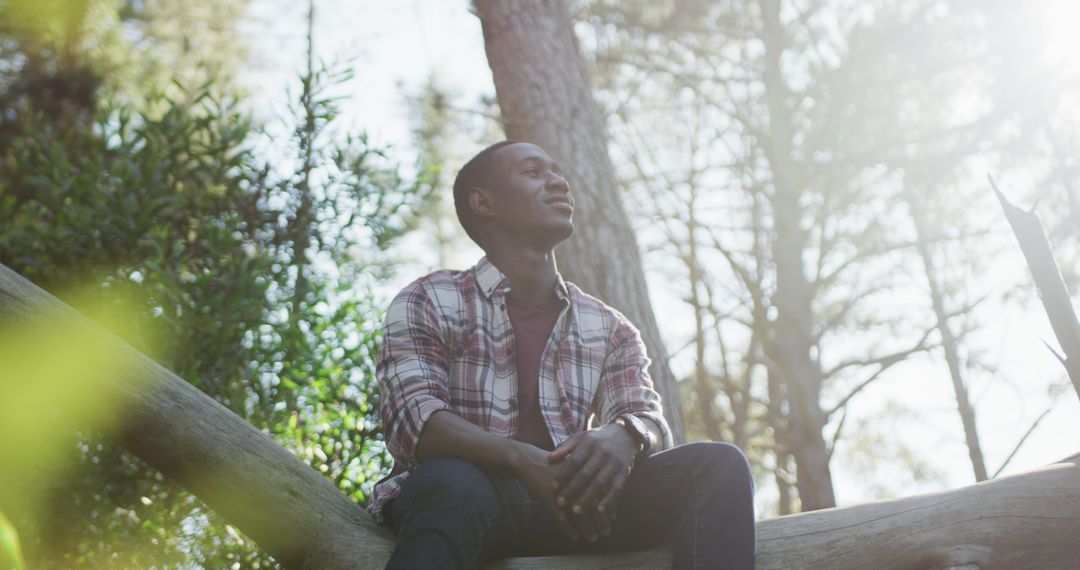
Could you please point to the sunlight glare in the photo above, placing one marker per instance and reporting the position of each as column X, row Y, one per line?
column 1059, row 21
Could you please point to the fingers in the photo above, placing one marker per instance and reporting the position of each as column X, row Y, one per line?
column 565, row 448
column 611, row 512
column 600, row 521
column 599, row 487
column 574, row 526
column 587, row 524
column 588, row 482
column 568, row 469
column 585, row 478
column 609, row 504
column 578, row 480
column 585, row 519
column 574, row 466
column 567, row 524
column 590, row 501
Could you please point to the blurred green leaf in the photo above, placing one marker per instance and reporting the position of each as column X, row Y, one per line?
column 10, row 553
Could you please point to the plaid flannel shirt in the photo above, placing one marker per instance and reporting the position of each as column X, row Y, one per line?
column 448, row 345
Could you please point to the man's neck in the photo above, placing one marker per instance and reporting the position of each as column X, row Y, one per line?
column 532, row 273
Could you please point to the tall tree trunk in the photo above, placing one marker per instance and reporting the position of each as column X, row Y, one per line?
column 793, row 336
column 781, row 445
column 544, row 97
column 948, row 341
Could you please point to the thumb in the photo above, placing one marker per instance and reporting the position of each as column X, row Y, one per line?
column 563, row 449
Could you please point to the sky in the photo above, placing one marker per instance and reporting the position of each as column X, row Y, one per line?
column 395, row 47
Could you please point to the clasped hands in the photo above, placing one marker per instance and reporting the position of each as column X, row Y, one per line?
column 579, row 481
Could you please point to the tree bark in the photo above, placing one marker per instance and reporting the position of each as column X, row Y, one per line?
column 793, row 337
column 544, row 98
column 286, row 507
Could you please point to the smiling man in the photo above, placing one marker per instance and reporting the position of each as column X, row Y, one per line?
column 519, row 409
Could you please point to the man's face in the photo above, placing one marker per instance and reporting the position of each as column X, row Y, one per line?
column 529, row 197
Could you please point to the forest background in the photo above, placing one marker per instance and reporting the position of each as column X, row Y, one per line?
column 238, row 188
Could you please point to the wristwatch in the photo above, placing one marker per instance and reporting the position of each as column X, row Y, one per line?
column 638, row 430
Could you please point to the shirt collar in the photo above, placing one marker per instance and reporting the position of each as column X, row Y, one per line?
column 490, row 280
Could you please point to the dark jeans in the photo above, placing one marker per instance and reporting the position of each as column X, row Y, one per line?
column 698, row 497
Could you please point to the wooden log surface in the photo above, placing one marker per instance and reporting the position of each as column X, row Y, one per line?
column 1031, row 520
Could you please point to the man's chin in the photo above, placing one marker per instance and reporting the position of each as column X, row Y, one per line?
column 548, row 235
column 566, row 231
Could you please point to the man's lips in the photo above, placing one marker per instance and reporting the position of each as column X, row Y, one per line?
column 563, row 200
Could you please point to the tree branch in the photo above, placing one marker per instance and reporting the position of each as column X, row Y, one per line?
column 1051, row 287
column 885, row 362
column 1020, row 443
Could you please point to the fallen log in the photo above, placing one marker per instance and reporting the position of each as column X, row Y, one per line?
column 280, row 502
column 1022, row 521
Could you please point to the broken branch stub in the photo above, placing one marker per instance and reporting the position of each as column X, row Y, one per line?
column 1048, row 281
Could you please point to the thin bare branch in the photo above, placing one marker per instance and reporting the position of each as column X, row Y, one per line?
column 884, row 364
column 1020, row 443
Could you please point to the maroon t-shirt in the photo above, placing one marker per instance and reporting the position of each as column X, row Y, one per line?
column 532, row 326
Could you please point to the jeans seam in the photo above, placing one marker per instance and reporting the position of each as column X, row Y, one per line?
column 687, row 470
column 483, row 533
column 695, row 519
column 681, row 471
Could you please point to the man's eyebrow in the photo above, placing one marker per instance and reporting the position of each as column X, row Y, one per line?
column 532, row 160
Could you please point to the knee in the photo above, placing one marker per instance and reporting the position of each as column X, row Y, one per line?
column 720, row 460
column 453, row 483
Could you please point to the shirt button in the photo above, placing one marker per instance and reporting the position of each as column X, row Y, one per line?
column 503, row 306
column 513, row 403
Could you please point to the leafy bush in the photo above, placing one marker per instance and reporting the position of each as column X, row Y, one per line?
column 252, row 282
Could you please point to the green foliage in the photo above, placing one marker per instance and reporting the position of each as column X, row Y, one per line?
column 195, row 41
column 246, row 264
column 10, row 554
column 246, row 280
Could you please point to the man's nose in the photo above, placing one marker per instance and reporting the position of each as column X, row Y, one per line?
column 557, row 181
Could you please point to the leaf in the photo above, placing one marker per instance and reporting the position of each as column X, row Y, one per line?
column 10, row 554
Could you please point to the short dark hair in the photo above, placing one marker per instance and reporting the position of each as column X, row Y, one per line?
column 476, row 172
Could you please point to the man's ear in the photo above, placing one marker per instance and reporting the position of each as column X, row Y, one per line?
column 480, row 202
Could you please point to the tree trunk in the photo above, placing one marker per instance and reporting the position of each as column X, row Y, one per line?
column 948, row 342
column 781, row 445
column 792, row 332
column 302, row 520
column 544, row 98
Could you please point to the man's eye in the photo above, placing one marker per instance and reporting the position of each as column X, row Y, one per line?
column 532, row 172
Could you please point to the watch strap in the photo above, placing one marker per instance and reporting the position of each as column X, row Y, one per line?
column 638, row 430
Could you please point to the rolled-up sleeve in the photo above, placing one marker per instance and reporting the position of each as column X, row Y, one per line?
column 625, row 384
column 412, row 371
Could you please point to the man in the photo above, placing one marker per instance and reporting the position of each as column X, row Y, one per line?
column 489, row 377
